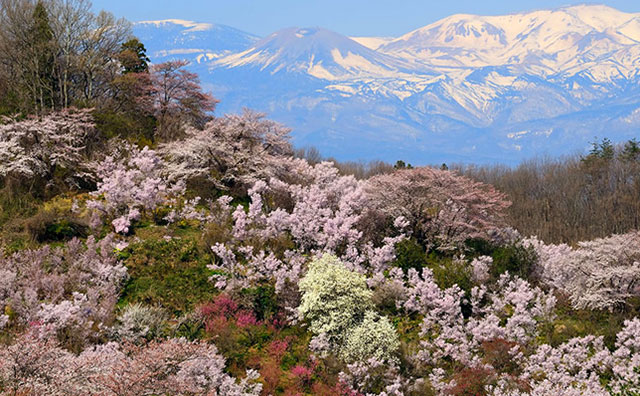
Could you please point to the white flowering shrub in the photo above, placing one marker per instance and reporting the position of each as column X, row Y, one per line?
column 339, row 307
column 375, row 337
column 138, row 322
column 334, row 299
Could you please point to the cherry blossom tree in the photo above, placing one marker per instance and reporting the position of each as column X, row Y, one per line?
column 318, row 210
column 40, row 149
column 70, row 291
column 234, row 150
column 131, row 185
column 599, row 274
column 442, row 207
column 32, row 366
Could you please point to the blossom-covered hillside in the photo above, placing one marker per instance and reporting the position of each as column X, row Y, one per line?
column 219, row 263
column 150, row 248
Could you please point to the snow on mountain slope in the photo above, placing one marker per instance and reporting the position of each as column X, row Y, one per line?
column 465, row 88
column 372, row 42
column 543, row 42
column 199, row 42
column 317, row 52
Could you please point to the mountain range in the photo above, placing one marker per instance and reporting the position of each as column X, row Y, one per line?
column 467, row 88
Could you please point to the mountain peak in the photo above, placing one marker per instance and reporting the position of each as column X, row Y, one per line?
column 319, row 52
column 190, row 26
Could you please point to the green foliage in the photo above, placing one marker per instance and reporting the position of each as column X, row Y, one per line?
column 515, row 259
column 571, row 323
column 631, row 151
column 170, row 274
column 410, row 254
column 41, row 37
column 263, row 300
column 133, row 57
column 55, row 222
column 449, row 271
column 600, row 151
column 137, row 128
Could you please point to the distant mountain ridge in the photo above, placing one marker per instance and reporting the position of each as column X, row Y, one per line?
column 465, row 88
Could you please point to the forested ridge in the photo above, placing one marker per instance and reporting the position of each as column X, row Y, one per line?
column 150, row 247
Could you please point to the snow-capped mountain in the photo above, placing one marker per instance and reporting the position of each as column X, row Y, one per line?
column 318, row 52
column 465, row 88
column 565, row 41
column 198, row 42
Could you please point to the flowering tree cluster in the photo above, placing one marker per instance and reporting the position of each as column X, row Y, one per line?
column 512, row 311
column 130, row 186
column 32, row 366
column 442, row 207
column 230, row 151
column 599, row 274
column 63, row 291
column 337, row 303
column 39, row 148
column 318, row 213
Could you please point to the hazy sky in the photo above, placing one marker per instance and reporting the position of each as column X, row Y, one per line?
column 349, row 17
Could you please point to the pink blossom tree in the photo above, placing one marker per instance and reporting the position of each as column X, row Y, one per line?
column 442, row 207
column 131, row 185
column 65, row 292
column 599, row 274
column 32, row 366
column 230, row 151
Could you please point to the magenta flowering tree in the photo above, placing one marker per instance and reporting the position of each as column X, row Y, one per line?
column 442, row 207
column 131, row 185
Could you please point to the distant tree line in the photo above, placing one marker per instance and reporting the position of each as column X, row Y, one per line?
column 573, row 198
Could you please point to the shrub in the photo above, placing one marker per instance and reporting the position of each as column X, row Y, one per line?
column 334, row 299
column 138, row 322
column 375, row 337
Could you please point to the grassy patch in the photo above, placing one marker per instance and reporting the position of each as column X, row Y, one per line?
column 172, row 274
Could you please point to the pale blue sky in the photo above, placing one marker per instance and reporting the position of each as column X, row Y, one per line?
column 349, row 17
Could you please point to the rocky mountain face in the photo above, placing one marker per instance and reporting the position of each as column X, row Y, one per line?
column 466, row 88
